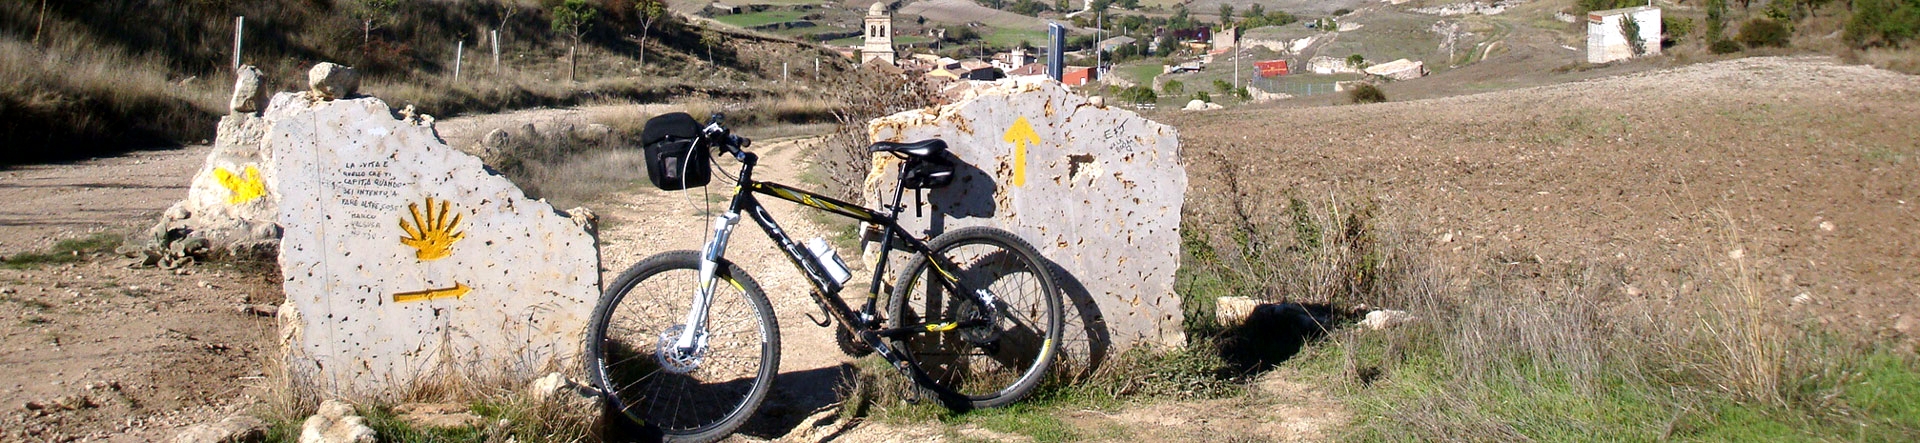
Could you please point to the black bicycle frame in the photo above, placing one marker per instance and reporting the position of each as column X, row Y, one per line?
column 827, row 289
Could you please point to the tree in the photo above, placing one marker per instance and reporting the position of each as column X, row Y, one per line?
column 370, row 13
column 1164, row 46
column 1256, row 11
column 650, row 11
column 1356, row 61
column 1630, row 29
column 573, row 17
column 1226, row 14
column 1179, row 21
column 1716, row 20
column 1130, row 4
column 709, row 38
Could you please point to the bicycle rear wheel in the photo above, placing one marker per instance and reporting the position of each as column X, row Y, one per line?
column 697, row 396
column 988, row 365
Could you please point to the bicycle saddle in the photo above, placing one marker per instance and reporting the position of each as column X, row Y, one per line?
column 923, row 148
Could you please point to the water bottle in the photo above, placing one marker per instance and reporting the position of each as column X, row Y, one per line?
column 829, row 260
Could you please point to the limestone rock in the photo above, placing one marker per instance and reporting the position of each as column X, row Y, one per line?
column 1198, row 105
column 1386, row 318
column 332, row 82
column 406, row 258
column 1232, row 310
column 248, row 92
column 336, row 423
column 1096, row 191
column 230, row 206
column 235, row 429
column 1256, row 95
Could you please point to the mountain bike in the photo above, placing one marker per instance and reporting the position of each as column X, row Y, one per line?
column 685, row 344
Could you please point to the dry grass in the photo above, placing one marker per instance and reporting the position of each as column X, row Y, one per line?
column 1514, row 348
column 77, row 94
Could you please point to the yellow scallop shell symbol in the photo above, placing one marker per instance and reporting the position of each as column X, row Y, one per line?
column 432, row 232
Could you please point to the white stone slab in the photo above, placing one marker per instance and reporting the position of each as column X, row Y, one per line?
column 1096, row 190
column 409, row 263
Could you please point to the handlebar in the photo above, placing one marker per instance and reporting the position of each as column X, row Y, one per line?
column 720, row 136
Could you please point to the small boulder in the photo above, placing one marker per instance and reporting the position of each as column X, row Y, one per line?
column 1231, row 311
column 330, row 81
column 248, row 92
column 336, row 423
column 1386, row 318
column 235, row 429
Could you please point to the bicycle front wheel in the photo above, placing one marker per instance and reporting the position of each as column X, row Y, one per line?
column 1008, row 350
column 696, row 394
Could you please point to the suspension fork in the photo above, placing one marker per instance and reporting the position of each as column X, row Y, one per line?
column 710, row 256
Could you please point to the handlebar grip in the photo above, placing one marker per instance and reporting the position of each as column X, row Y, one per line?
column 742, row 142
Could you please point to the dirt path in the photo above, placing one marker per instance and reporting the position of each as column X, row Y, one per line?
column 650, row 221
column 93, row 350
column 637, row 224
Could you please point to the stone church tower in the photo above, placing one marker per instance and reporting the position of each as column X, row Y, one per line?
column 879, row 26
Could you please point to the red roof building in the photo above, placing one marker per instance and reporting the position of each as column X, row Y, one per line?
column 1271, row 68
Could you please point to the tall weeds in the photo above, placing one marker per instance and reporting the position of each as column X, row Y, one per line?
column 1508, row 346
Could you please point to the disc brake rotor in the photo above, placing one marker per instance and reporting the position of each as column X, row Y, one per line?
column 674, row 360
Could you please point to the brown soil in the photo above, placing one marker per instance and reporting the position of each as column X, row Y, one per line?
column 97, row 351
column 1801, row 168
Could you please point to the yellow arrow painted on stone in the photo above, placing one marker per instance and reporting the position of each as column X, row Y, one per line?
column 1021, row 135
column 458, row 290
column 244, row 187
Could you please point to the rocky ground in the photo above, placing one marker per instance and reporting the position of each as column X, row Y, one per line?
column 1800, row 168
column 94, row 350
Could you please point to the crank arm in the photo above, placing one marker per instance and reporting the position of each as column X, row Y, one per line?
column 928, row 327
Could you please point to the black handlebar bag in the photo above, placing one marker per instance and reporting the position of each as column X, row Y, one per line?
column 673, row 161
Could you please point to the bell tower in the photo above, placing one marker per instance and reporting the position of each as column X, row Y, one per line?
column 879, row 32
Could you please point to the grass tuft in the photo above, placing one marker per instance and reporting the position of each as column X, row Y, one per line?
column 65, row 251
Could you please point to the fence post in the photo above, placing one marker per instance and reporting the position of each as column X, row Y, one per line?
column 459, row 53
column 239, row 26
column 42, row 25
column 496, row 50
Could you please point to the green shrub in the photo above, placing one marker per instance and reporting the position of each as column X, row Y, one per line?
column 1883, row 22
column 1173, row 88
column 1676, row 28
column 1366, row 93
column 1139, row 94
column 1764, row 32
column 1203, row 96
column 1724, row 47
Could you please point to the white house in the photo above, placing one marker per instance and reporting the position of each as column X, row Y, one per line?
column 1606, row 42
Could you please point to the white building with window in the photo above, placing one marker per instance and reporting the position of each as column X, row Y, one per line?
column 1607, row 40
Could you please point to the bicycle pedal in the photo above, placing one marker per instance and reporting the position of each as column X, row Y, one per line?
column 820, row 322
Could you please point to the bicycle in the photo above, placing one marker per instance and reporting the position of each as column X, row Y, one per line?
column 973, row 319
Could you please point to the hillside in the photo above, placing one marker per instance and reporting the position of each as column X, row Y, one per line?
column 1671, row 247
column 95, row 78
